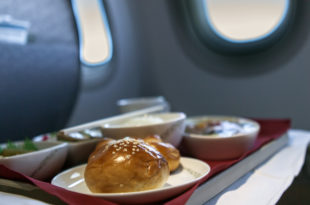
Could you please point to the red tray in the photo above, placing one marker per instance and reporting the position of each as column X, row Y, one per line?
column 227, row 171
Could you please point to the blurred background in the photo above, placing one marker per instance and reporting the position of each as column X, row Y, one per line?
column 204, row 57
column 64, row 63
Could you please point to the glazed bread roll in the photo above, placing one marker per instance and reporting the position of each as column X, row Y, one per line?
column 152, row 138
column 125, row 165
column 170, row 153
column 101, row 145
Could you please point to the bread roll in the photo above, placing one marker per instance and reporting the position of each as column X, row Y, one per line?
column 170, row 153
column 152, row 138
column 101, row 145
column 125, row 165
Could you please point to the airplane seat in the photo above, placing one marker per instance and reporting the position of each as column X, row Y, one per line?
column 39, row 67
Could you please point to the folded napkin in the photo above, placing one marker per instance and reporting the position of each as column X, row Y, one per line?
column 269, row 180
column 270, row 130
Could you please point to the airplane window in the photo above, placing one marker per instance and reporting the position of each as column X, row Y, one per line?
column 95, row 41
column 240, row 25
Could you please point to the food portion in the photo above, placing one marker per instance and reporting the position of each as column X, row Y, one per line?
column 214, row 127
column 11, row 149
column 137, row 121
column 86, row 134
column 170, row 153
column 125, row 165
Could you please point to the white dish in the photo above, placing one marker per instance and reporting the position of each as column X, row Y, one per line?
column 41, row 164
column 190, row 171
column 229, row 145
column 78, row 152
column 170, row 129
column 132, row 104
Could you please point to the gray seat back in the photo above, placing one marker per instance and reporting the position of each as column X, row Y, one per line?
column 39, row 80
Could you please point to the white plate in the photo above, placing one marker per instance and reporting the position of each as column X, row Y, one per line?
column 190, row 171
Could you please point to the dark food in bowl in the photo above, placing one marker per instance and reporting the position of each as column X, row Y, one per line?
column 223, row 128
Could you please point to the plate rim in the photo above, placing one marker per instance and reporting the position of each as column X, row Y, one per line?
column 128, row 194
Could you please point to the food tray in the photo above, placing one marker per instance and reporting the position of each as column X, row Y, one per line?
column 272, row 139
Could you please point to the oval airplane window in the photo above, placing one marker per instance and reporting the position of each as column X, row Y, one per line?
column 245, row 20
column 95, row 41
column 240, row 25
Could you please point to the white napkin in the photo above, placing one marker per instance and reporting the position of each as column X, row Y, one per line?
column 266, row 184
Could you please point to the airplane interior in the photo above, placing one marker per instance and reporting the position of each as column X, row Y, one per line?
column 66, row 64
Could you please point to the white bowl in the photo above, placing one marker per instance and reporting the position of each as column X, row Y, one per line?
column 78, row 152
column 132, row 104
column 216, row 147
column 170, row 128
column 41, row 164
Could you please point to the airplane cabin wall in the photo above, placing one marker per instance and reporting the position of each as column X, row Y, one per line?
column 126, row 63
column 158, row 53
column 273, row 83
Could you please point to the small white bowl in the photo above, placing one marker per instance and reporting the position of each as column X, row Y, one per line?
column 213, row 147
column 41, row 164
column 132, row 104
column 78, row 152
column 170, row 127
